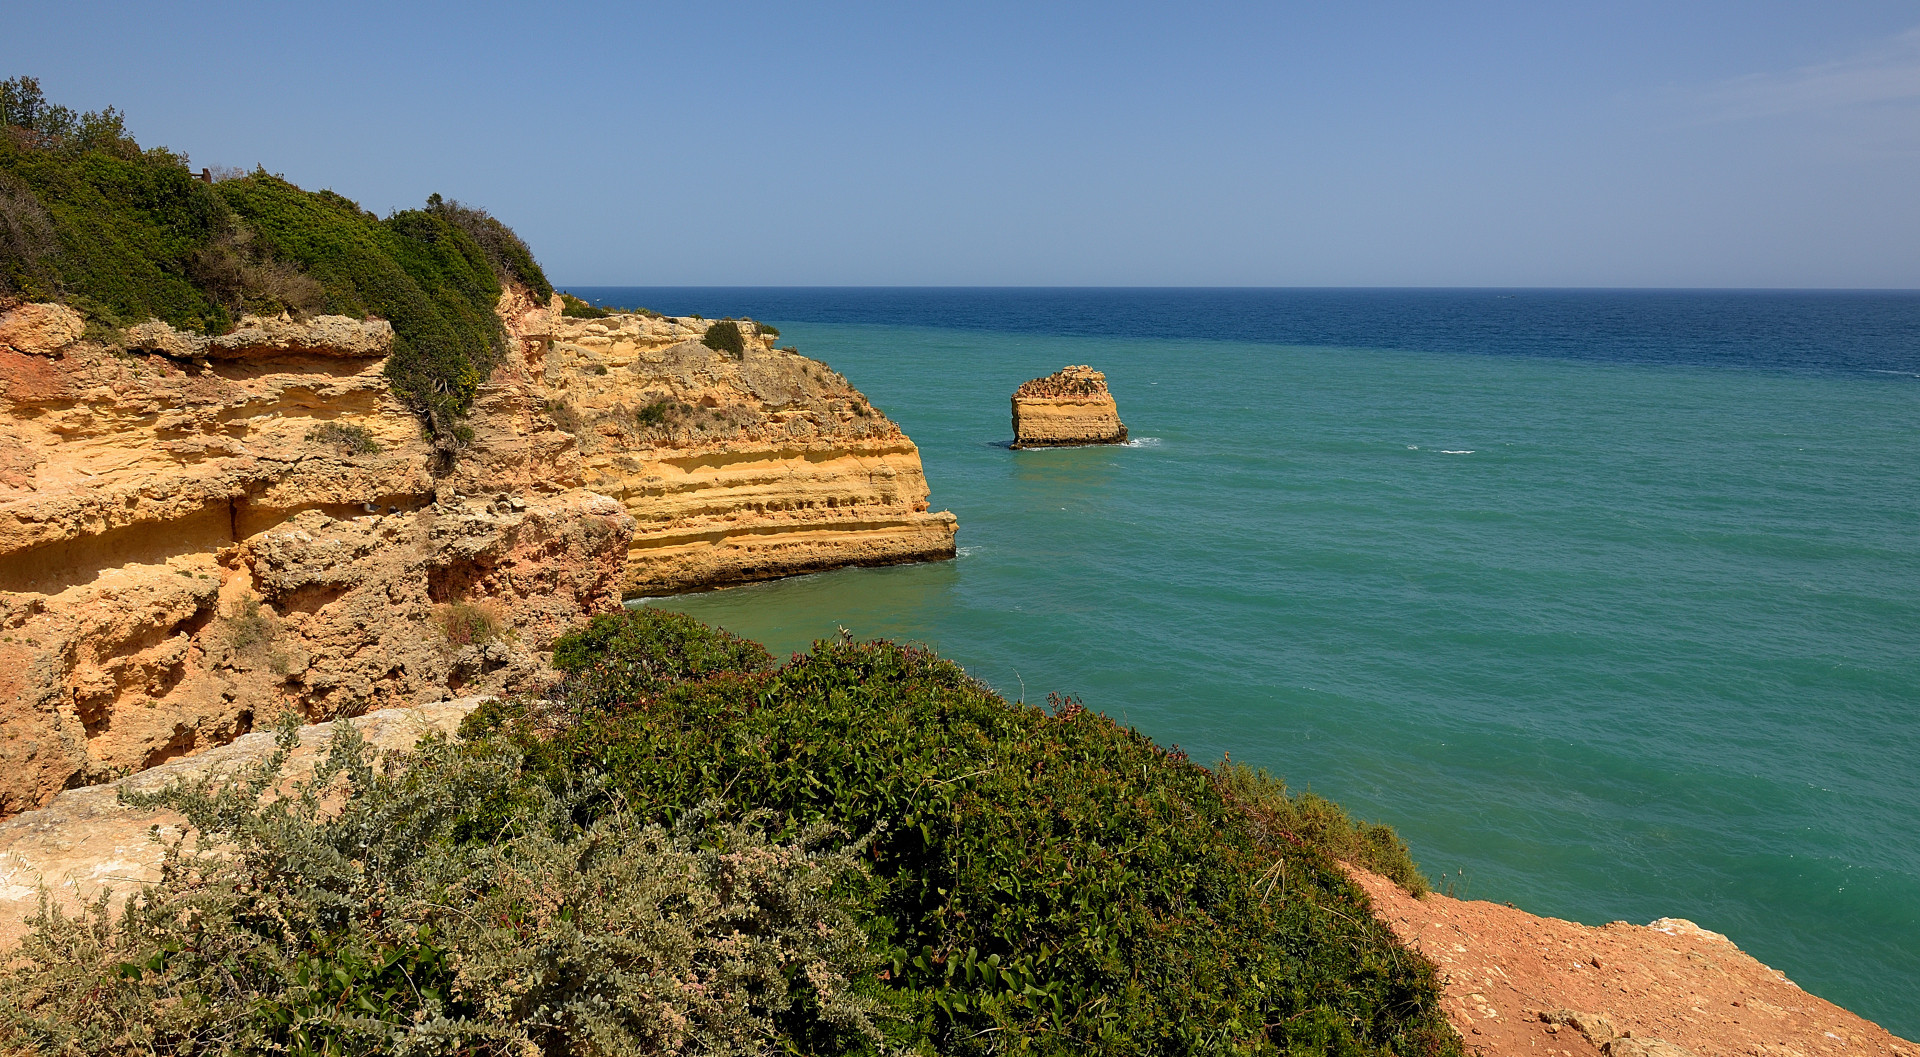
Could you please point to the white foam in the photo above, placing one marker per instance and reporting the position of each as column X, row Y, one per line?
column 964, row 552
column 1444, row 451
column 1144, row 442
column 1413, row 447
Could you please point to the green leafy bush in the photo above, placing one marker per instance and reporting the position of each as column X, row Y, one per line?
column 578, row 309
column 509, row 254
column 724, row 336
column 125, row 234
column 365, row 915
column 659, row 412
column 1045, row 883
column 625, row 656
column 415, row 269
column 1316, row 821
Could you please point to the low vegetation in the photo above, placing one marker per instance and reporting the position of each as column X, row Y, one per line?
column 687, row 847
column 125, row 234
column 725, row 336
column 348, row 437
column 465, row 623
column 659, row 412
column 577, row 309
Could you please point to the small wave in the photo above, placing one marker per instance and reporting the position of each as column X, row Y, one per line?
column 1144, row 442
column 1903, row 374
column 1445, row 451
column 964, row 552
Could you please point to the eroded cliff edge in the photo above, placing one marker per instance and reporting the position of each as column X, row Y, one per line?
column 736, row 466
column 196, row 534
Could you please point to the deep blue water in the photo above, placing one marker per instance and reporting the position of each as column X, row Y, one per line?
column 1864, row 331
column 1608, row 601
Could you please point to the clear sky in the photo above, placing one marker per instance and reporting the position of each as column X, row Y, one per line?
column 1534, row 143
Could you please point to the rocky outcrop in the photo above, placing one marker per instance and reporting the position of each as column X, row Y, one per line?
column 735, row 467
column 1516, row 983
column 197, row 533
column 1069, row 407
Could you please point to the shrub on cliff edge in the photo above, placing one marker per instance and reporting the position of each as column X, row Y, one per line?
column 1042, row 883
column 123, row 235
column 725, row 336
column 644, row 861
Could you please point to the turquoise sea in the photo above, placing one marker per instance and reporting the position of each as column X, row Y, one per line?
column 1608, row 602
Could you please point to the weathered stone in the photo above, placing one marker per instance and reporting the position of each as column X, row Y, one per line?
column 39, row 329
column 194, row 541
column 1069, row 407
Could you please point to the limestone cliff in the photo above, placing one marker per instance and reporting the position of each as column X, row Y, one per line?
column 1070, row 406
column 736, row 467
column 197, row 533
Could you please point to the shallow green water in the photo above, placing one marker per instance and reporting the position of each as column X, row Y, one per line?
column 1607, row 641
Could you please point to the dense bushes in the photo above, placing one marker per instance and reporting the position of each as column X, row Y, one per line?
column 416, row 269
column 1048, row 883
column 125, row 235
column 380, row 927
column 687, row 849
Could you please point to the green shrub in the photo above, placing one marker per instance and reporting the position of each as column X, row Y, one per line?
column 507, row 252
column 1052, row 884
column 135, row 236
column 767, row 330
column 724, row 336
column 381, row 922
column 621, row 657
column 414, row 269
column 578, row 309
column 1314, row 820
column 348, row 437
column 659, row 412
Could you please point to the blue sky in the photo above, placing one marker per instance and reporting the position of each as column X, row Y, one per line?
column 1465, row 144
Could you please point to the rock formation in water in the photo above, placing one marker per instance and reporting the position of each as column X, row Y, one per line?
column 1070, row 406
column 197, row 533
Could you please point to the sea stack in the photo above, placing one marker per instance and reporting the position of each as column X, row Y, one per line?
column 1070, row 406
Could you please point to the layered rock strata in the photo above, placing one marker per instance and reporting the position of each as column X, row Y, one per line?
column 736, row 467
column 1069, row 407
column 198, row 533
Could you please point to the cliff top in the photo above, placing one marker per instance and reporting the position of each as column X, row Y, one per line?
column 1078, row 380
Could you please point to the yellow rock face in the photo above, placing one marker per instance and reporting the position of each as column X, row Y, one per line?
column 196, row 534
column 1069, row 407
column 736, row 468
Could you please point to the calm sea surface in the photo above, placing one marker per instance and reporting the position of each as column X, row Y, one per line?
column 1608, row 601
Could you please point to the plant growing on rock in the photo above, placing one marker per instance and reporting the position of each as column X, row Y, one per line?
column 351, row 438
column 465, row 623
column 725, row 336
